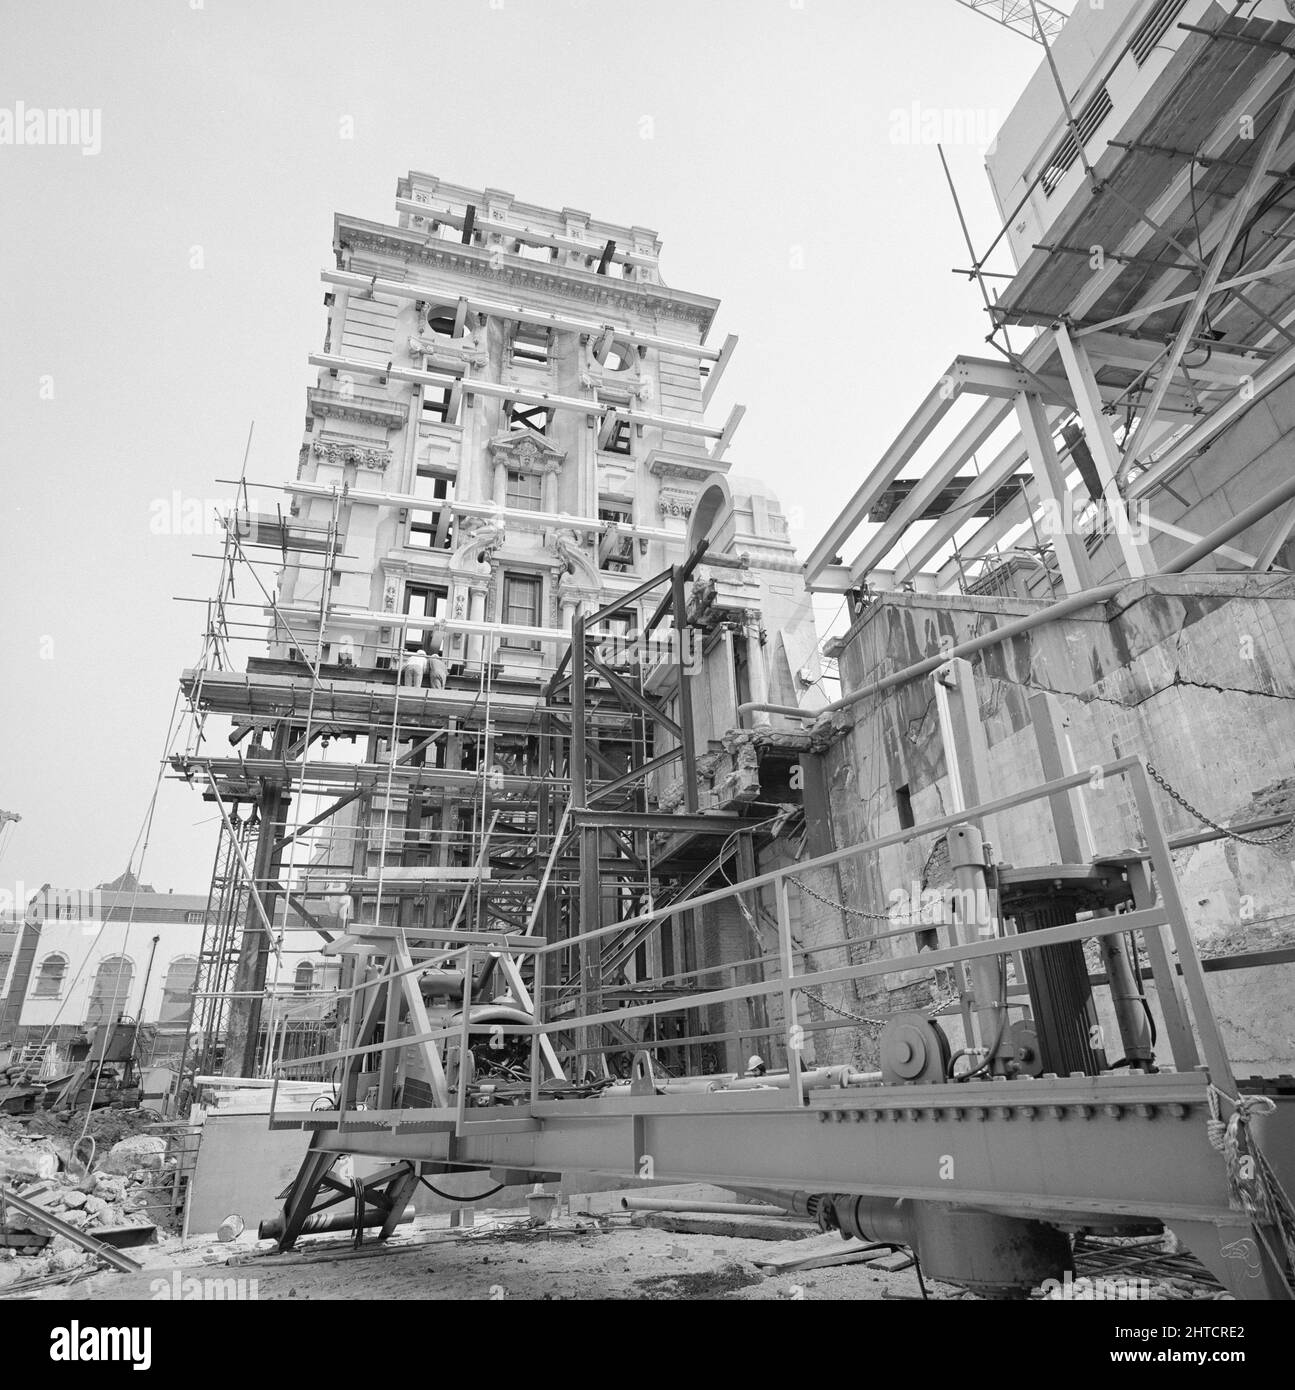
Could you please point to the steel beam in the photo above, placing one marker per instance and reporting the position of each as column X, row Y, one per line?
column 1105, row 452
column 973, row 436
column 719, row 823
column 1072, row 557
column 927, row 416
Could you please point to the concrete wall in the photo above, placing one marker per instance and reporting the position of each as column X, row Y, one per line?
column 1196, row 674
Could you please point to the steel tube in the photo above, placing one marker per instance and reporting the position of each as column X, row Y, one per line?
column 272, row 1227
column 701, row 1208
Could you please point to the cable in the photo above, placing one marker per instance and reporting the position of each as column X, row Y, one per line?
column 455, row 1197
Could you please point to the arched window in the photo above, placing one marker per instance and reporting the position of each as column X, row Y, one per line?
column 111, row 992
column 50, row 977
column 177, row 990
column 305, row 977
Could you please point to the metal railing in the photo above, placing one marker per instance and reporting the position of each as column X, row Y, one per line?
column 1188, row 1022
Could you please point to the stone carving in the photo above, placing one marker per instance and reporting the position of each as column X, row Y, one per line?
column 675, row 502
column 480, row 541
column 452, row 353
column 525, row 451
column 332, row 452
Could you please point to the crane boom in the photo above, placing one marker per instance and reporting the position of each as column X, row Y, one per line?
column 1018, row 16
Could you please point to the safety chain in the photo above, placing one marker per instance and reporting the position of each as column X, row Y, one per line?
column 931, row 1009
column 1281, row 837
column 840, row 907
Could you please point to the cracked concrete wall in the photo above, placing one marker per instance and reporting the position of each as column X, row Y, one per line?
column 1195, row 673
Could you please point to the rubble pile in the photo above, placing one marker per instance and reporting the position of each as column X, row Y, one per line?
column 117, row 1191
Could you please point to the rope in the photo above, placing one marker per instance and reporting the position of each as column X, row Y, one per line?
column 1253, row 1187
column 1281, row 837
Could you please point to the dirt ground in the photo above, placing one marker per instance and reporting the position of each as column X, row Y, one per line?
column 499, row 1257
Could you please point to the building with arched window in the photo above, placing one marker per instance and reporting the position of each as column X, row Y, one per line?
column 50, row 977
column 110, row 994
column 81, row 958
column 177, row 994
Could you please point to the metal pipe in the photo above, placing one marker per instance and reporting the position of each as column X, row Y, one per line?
column 701, row 1208
column 1244, row 519
column 783, row 1080
column 272, row 1227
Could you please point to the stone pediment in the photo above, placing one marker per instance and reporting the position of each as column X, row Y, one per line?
column 526, row 451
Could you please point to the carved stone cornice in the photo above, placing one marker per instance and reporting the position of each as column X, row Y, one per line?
column 631, row 297
column 692, row 468
column 337, row 405
column 338, row 452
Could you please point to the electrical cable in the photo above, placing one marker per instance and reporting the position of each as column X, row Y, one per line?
column 455, row 1197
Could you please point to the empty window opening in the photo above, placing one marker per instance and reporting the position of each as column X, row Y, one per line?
column 615, row 550
column 433, row 530
column 442, row 403
column 615, row 434
column 532, row 345
column 534, row 417
column 424, row 601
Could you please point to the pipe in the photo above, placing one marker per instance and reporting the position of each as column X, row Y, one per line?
column 1244, row 519
column 272, row 1227
column 701, row 1208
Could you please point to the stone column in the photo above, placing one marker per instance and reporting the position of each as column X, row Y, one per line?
column 476, row 614
column 549, row 489
column 501, row 483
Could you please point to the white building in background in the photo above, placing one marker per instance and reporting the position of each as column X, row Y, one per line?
column 82, row 957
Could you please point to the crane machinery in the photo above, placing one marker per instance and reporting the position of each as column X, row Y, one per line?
column 1025, row 17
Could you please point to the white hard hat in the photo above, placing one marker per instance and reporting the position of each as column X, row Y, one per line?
column 753, row 1062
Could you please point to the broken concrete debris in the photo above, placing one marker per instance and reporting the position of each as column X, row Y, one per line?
column 115, row 1193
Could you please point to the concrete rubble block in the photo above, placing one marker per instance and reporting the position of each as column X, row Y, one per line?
column 72, row 1198
column 27, row 1163
column 140, row 1151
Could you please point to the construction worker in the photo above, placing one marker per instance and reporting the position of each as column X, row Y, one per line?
column 413, row 668
column 436, row 668
column 755, row 1066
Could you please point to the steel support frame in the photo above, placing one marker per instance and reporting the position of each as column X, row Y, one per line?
column 1187, row 327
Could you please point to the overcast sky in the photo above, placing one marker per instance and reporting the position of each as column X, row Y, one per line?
column 161, row 291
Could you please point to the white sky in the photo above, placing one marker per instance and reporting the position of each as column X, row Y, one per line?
column 771, row 175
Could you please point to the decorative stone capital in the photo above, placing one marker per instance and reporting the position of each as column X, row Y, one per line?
column 675, row 501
